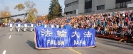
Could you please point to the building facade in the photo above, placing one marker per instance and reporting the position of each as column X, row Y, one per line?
column 75, row 7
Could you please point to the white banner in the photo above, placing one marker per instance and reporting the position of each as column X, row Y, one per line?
column 76, row 11
column 130, row 5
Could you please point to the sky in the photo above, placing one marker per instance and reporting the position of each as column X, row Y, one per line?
column 41, row 5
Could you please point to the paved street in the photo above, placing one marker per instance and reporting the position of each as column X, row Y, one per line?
column 22, row 43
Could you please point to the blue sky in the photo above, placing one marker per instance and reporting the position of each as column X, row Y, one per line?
column 41, row 5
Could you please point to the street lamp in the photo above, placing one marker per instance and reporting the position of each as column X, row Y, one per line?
column 7, row 18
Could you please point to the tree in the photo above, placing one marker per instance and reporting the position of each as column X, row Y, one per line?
column 18, row 20
column 20, row 7
column 31, row 17
column 46, row 17
column 40, row 18
column 28, row 7
column 5, row 13
column 55, row 9
column 12, row 20
column 60, row 14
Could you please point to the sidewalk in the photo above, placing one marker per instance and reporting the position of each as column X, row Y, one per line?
column 113, row 41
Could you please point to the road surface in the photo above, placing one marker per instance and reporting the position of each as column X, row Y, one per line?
column 22, row 43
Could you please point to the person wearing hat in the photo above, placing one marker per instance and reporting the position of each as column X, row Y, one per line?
column 67, row 26
column 39, row 23
column 38, row 26
column 42, row 24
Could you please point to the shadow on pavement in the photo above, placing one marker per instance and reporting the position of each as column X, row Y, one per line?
column 129, row 48
column 17, row 34
column 116, row 42
column 31, row 44
column 2, row 35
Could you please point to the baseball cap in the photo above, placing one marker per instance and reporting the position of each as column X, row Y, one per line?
column 39, row 21
column 67, row 21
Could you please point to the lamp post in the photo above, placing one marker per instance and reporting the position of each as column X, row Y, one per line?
column 6, row 18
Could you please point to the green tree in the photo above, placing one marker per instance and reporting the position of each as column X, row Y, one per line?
column 20, row 7
column 60, row 14
column 28, row 7
column 12, row 19
column 31, row 17
column 55, row 9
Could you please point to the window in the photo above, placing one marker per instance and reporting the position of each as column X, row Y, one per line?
column 118, row 5
column 87, row 0
column 88, row 4
column 101, row 7
column 122, row 3
column 66, row 5
column 71, row 12
column 72, row 3
column 74, row 12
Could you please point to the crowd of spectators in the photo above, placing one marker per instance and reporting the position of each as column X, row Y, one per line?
column 119, row 23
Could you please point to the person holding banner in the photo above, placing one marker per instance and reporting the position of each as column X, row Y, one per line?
column 42, row 24
column 67, row 26
column 57, row 26
column 47, row 38
column 39, row 23
column 52, row 25
column 36, row 25
column 45, row 26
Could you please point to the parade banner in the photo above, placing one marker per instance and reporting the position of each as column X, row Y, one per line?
column 63, row 38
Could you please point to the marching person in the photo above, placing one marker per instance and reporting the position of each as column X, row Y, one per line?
column 11, row 26
column 32, row 26
column 18, row 25
column 39, row 24
column 25, row 27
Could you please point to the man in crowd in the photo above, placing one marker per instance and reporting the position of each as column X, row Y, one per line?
column 39, row 23
column 67, row 25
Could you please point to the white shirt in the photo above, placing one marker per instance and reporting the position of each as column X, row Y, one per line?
column 57, row 26
column 94, row 24
column 31, row 25
column 52, row 26
column 10, row 25
column 18, row 25
column 45, row 26
column 25, row 25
